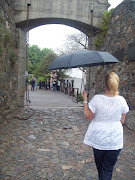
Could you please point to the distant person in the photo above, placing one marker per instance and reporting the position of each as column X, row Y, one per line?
column 40, row 84
column 26, row 84
column 58, row 86
column 105, row 133
column 46, row 87
column 33, row 84
column 51, row 86
column 43, row 84
column 54, row 85
column 36, row 84
column 69, row 89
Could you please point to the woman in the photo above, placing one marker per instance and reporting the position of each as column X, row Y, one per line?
column 105, row 132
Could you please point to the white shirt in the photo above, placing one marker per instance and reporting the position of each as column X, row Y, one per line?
column 105, row 131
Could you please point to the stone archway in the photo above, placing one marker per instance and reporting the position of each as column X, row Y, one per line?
column 82, row 15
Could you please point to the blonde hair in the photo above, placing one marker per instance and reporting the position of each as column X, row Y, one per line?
column 112, row 83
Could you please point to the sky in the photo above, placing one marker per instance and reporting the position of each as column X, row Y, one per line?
column 54, row 36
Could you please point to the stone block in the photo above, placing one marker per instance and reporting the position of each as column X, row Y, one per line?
column 131, row 52
column 130, row 119
column 119, row 54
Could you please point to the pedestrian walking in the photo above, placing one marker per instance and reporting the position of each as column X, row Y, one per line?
column 36, row 84
column 54, row 85
column 105, row 132
column 51, row 86
column 46, row 87
column 40, row 84
column 33, row 84
column 43, row 84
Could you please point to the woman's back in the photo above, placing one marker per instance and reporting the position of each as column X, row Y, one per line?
column 107, row 109
column 105, row 132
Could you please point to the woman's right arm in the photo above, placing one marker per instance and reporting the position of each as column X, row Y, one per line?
column 87, row 112
column 123, row 118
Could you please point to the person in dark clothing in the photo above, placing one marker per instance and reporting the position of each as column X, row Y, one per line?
column 40, row 84
column 46, row 86
column 33, row 84
column 54, row 86
column 43, row 84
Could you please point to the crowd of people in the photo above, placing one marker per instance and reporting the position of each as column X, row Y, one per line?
column 55, row 86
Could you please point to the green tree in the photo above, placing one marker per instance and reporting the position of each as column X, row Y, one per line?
column 35, row 57
column 43, row 69
column 34, row 54
column 61, row 74
column 45, row 52
column 30, row 67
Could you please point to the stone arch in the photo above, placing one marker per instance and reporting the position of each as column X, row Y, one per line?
column 86, row 29
column 83, row 15
column 79, row 14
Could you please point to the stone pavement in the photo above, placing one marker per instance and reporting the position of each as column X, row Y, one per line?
column 46, row 143
column 50, row 99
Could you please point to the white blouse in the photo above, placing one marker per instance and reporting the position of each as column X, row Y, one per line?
column 105, row 131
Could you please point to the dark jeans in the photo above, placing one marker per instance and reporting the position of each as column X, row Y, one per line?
column 105, row 161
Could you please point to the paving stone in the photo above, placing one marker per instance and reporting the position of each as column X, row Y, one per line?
column 2, row 175
column 65, row 143
column 32, row 137
column 65, row 167
column 68, row 135
column 54, row 149
column 42, row 174
column 58, row 173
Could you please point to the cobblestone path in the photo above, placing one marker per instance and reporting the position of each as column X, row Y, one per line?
column 48, row 145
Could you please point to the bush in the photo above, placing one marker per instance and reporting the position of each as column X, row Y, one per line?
column 47, row 76
column 80, row 98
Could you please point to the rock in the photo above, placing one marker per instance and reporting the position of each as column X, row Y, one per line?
column 65, row 143
column 65, row 167
column 44, row 150
column 42, row 174
column 32, row 137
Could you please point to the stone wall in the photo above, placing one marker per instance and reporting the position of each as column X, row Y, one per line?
column 8, row 58
column 74, row 13
column 21, row 67
column 120, row 41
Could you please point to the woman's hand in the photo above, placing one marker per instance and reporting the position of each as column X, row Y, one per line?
column 84, row 95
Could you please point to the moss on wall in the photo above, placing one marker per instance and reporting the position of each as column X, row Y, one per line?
column 8, row 65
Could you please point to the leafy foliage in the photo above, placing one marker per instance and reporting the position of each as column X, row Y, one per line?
column 8, row 62
column 30, row 67
column 39, row 62
column 42, row 69
column 47, row 76
column 103, row 27
column 7, row 48
column 61, row 74
column 35, row 56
